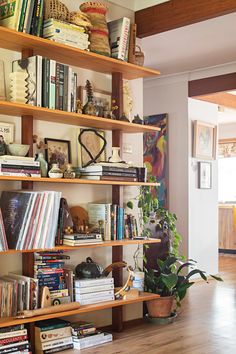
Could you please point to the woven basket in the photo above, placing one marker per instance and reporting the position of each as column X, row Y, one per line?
column 57, row 10
column 139, row 56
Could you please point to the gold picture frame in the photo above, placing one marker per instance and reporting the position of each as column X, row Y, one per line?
column 204, row 140
column 94, row 145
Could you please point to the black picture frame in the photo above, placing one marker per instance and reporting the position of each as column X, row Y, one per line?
column 204, row 175
column 63, row 152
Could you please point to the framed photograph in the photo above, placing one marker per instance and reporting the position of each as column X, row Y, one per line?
column 204, row 140
column 7, row 132
column 99, row 96
column 93, row 143
column 204, row 175
column 58, row 151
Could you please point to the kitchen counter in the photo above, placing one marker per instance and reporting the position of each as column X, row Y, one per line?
column 227, row 227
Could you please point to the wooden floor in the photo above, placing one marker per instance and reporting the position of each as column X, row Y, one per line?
column 206, row 324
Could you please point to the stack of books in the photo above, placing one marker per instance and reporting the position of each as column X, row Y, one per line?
column 52, row 336
column 85, row 335
column 119, row 33
column 78, row 239
column 14, row 339
column 23, row 15
column 91, row 291
column 66, row 33
column 50, row 272
column 49, row 84
column 19, row 166
column 109, row 173
column 18, row 293
column 30, row 218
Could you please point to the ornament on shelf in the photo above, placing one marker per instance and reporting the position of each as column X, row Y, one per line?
column 79, row 106
column 124, row 118
column 89, row 107
column 110, row 113
column 99, row 35
column 3, row 146
column 18, row 87
column 55, row 171
column 69, row 172
column 43, row 165
column 115, row 157
column 127, row 98
column 137, row 120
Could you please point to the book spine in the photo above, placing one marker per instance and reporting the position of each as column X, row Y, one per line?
column 52, row 85
column 30, row 17
column 12, row 340
column 59, row 85
column 40, row 19
column 19, row 174
column 14, row 333
column 57, row 343
column 92, row 282
column 45, row 83
column 27, row 12
column 35, row 17
column 75, row 92
column 19, row 170
column 51, row 327
column 20, row 348
column 57, row 333
column 39, row 65
column 119, row 178
column 132, row 43
column 70, row 89
column 59, row 349
column 20, row 164
column 22, row 15
column 97, row 300
column 65, row 88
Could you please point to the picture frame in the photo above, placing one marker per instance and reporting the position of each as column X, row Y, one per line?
column 99, row 95
column 226, row 148
column 204, row 175
column 7, row 131
column 94, row 145
column 204, row 140
column 58, row 151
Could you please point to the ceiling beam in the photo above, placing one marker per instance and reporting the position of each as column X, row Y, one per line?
column 178, row 13
column 220, row 98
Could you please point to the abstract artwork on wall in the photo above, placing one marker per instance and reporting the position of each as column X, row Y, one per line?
column 155, row 149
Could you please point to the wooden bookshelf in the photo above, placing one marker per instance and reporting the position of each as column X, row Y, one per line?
column 10, row 321
column 18, row 41
column 75, row 181
column 57, row 116
column 87, row 245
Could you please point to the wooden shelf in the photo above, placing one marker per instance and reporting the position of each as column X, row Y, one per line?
column 87, row 245
column 83, row 309
column 18, row 41
column 57, row 116
column 76, row 181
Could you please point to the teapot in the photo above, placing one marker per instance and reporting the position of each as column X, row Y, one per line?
column 90, row 269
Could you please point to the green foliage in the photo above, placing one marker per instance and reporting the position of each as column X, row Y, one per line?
column 169, row 279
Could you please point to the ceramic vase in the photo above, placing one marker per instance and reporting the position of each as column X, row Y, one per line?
column 43, row 165
column 115, row 155
column 55, row 171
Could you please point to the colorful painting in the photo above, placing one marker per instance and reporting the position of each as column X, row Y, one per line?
column 155, row 149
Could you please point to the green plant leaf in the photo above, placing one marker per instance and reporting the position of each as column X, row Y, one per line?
column 170, row 280
column 197, row 271
column 182, row 290
column 187, row 264
column 168, row 262
column 130, row 205
column 216, row 277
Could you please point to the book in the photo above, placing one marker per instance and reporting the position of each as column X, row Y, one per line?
column 28, row 16
column 100, row 219
column 90, row 236
column 12, row 334
column 54, row 334
column 94, row 295
column 22, row 15
column 107, row 168
column 81, row 283
column 119, row 31
column 52, row 324
column 58, row 349
column 54, row 343
column 80, row 242
column 10, row 13
column 52, row 84
column 91, row 289
column 95, row 300
column 88, row 342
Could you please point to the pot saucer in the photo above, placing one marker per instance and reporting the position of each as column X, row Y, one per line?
column 161, row 320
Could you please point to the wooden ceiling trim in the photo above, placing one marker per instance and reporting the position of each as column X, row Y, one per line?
column 221, row 98
column 178, row 13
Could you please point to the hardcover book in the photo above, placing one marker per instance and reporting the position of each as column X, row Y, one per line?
column 10, row 13
column 119, row 31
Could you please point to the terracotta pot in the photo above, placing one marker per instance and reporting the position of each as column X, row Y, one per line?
column 160, row 307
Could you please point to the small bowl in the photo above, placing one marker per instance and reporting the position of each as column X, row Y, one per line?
column 18, row 149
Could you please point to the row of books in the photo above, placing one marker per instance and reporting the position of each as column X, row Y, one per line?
column 50, row 270
column 23, row 15
column 112, row 222
column 14, row 339
column 57, row 335
column 19, row 166
column 66, row 33
column 30, row 218
column 17, row 293
column 49, row 84
column 91, row 291
column 107, row 172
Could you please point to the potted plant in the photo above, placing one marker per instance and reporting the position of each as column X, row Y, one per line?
column 171, row 281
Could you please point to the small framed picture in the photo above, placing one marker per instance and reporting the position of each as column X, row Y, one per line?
column 204, row 140
column 58, row 151
column 99, row 96
column 93, row 143
column 204, row 175
column 7, row 132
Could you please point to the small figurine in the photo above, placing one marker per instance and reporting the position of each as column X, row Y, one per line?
column 3, row 146
column 137, row 120
column 89, row 107
column 79, row 106
column 114, row 107
column 124, row 118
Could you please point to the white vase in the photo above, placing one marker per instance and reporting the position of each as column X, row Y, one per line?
column 138, row 282
column 55, row 171
column 115, row 157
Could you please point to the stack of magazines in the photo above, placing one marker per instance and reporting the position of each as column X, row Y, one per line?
column 19, row 166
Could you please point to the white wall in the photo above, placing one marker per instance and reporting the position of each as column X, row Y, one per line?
column 203, row 203
column 227, row 131
column 76, row 194
column 197, row 212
